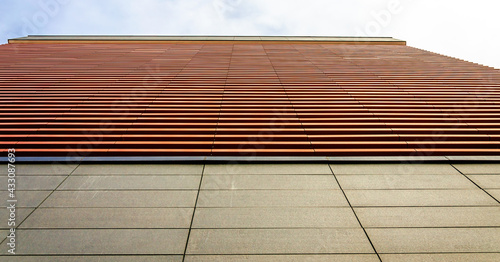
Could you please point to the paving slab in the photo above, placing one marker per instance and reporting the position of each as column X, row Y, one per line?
column 393, row 169
column 41, row 169
column 494, row 192
column 435, row 240
column 268, row 169
column 258, row 213
column 483, row 257
column 101, row 241
column 45, row 218
column 277, row 241
column 271, row 198
column 447, row 197
column 405, row 182
column 96, row 258
column 130, row 182
column 176, row 198
column 478, row 169
column 429, row 216
column 283, row 258
column 3, row 235
column 269, row 182
column 34, row 182
column 138, row 169
column 281, row 217
column 25, row 198
column 486, row 181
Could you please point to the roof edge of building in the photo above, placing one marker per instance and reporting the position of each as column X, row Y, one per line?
column 205, row 39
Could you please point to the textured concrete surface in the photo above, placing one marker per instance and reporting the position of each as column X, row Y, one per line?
column 101, row 241
column 275, row 212
column 429, row 216
column 97, row 258
column 479, row 169
column 393, row 169
column 271, row 198
column 483, row 257
column 46, row 218
column 421, row 198
column 284, row 258
column 271, row 241
column 267, row 169
column 130, row 183
column 274, row 217
column 138, row 169
column 27, row 183
column 405, row 182
column 486, row 181
column 269, row 182
column 435, row 240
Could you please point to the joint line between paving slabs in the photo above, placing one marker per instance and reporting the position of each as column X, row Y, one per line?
column 45, row 199
column 355, row 215
column 194, row 211
column 475, row 183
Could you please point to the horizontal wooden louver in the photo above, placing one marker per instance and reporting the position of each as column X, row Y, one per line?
column 244, row 99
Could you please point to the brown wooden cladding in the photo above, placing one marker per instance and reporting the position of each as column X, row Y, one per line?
column 244, row 99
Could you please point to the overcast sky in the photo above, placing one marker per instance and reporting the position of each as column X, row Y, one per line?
column 469, row 30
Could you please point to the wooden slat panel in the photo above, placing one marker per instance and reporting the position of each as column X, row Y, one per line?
column 244, row 99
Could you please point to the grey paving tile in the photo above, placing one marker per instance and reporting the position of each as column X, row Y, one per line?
column 138, row 169
column 433, row 240
column 282, row 217
column 283, row 258
column 483, row 257
column 276, row 241
column 21, row 214
column 479, row 169
column 393, row 169
column 429, row 216
column 449, row 197
column 121, row 199
column 495, row 193
column 404, row 182
column 41, row 169
column 25, row 198
column 271, row 198
column 102, row 241
column 130, row 182
column 268, row 169
column 3, row 234
column 382, row 159
column 269, row 182
column 44, row 218
column 34, row 182
column 486, row 181
column 97, row 258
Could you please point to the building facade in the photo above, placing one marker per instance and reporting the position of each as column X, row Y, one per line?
column 125, row 148
column 243, row 96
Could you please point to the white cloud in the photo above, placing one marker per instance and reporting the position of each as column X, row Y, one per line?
column 463, row 29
